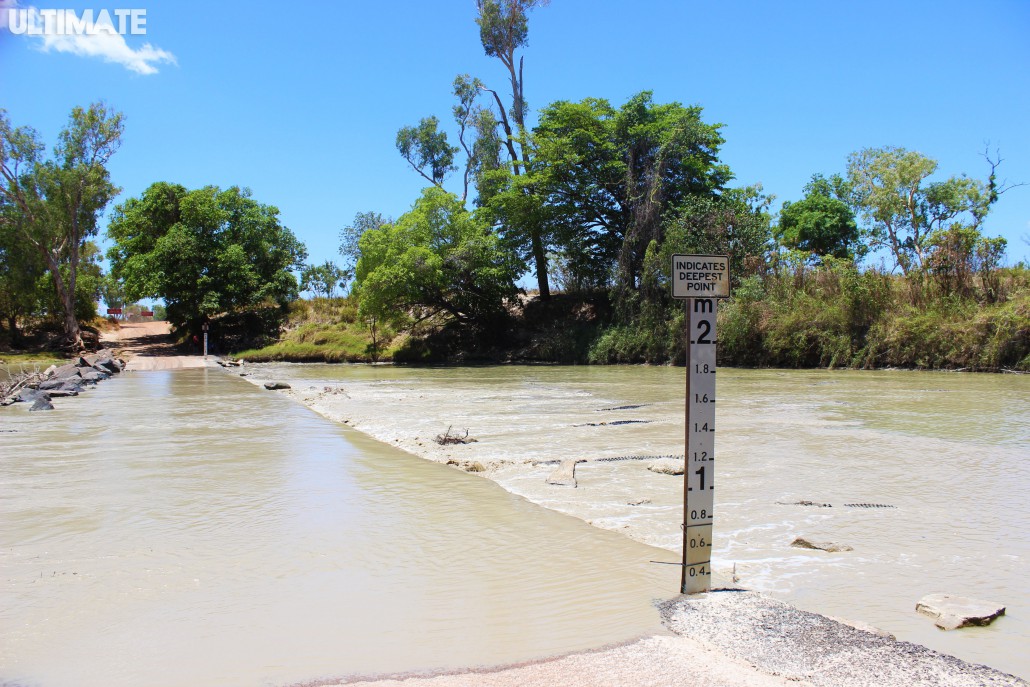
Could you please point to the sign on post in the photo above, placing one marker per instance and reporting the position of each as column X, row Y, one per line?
column 701, row 280
column 700, row 276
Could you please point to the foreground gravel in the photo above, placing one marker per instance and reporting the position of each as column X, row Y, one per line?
column 778, row 639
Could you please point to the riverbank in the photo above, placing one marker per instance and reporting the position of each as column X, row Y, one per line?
column 514, row 427
column 834, row 316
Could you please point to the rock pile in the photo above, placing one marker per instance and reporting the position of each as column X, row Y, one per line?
column 67, row 380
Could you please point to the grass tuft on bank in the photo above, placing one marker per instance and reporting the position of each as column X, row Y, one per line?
column 325, row 330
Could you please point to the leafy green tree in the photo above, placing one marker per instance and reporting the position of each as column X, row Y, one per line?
column 323, row 280
column 821, row 223
column 486, row 134
column 426, row 149
column 503, row 30
column 436, row 259
column 112, row 292
column 87, row 285
column 612, row 177
column 736, row 223
column 21, row 271
column 204, row 252
column 903, row 208
column 54, row 203
column 351, row 235
column 956, row 254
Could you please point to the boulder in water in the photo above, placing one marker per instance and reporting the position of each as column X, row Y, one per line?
column 42, row 403
column 952, row 612
column 667, row 466
column 832, row 547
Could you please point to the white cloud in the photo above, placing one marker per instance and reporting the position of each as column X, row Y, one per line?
column 109, row 46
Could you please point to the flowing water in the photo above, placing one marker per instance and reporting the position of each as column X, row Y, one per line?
column 186, row 528
column 943, row 458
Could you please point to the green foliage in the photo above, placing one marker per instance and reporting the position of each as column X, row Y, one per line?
column 206, row 252
column 611, row 177
column 959, row 254
column 955, row 333
column 736, row 224
column 323, row 280
column 437, row 259
column 53, row 205
column 323, row 330
column 22, row 285
column 426, row 149
column 834, row 315
column 111, row 291
column 822, row 223
column 351, row 235
column 904, row 210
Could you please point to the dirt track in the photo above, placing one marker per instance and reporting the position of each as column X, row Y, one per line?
column 149, row 346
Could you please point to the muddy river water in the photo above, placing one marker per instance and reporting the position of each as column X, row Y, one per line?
column 925, row 475
column 185, row 528
column 189, row 528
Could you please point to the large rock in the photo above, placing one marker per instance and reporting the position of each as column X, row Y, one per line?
column 952, row 612
column 66, row 371
column 91, row 375
column 61, row 387
column 30, row 395
column 277, row 386
column 109, row 365
column 42, row 403
column 667, row 466
column 565, row 474
column 832, row 547
column 87, row 360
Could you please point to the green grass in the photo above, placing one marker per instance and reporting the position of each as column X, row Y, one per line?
column 322, row 330
column 866, row 320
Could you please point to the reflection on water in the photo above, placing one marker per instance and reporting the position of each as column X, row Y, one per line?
column 185, row 527
column 950, row 452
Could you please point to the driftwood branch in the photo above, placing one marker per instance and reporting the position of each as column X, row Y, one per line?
column 447, row 438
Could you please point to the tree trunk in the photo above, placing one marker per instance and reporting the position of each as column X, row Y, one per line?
column 540, row 258
column 71, row 325
column 12, row 327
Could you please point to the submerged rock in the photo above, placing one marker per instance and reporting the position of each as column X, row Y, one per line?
column 952, row 612
column 832, row 547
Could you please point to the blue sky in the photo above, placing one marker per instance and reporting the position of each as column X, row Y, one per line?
column 301, row 102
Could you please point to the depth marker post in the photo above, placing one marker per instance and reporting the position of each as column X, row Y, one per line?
column 701, row 280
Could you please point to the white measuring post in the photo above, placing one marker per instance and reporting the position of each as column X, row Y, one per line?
column 701, row 280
